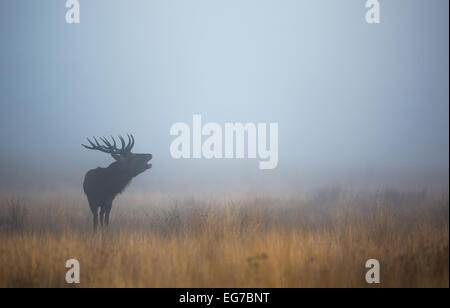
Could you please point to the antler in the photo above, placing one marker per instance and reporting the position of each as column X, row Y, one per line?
column 112, row 148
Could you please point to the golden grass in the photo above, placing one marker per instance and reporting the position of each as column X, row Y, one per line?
column 320, row 240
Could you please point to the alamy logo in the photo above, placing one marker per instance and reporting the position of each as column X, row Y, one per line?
column 373, row 274
column 234, row 143
column 73, row 12
column 73, row 274
column 373, row 14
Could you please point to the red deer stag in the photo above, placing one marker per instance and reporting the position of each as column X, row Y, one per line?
column 102, row 185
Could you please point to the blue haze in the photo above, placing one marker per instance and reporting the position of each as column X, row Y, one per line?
column 358, row 105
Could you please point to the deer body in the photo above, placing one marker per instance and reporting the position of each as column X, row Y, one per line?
column 102, row 185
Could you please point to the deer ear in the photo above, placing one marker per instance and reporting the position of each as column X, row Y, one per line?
column 115, row 156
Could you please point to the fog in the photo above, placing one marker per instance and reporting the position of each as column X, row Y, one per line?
column 358, row 105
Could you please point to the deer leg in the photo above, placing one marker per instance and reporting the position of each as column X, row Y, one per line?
column 107, row 211
column 102, row 215
column 94, row 211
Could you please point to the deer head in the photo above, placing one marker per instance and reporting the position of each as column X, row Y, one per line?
column 132, row 164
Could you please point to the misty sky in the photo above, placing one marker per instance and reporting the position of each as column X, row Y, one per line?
column 356, row 104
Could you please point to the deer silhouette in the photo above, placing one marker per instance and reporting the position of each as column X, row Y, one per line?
column 102, row 185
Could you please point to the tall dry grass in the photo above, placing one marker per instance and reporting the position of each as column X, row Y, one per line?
column 315, row 240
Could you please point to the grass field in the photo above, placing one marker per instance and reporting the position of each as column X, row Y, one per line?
column 318, row 239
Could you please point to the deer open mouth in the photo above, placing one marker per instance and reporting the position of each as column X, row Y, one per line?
column 148, row 166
